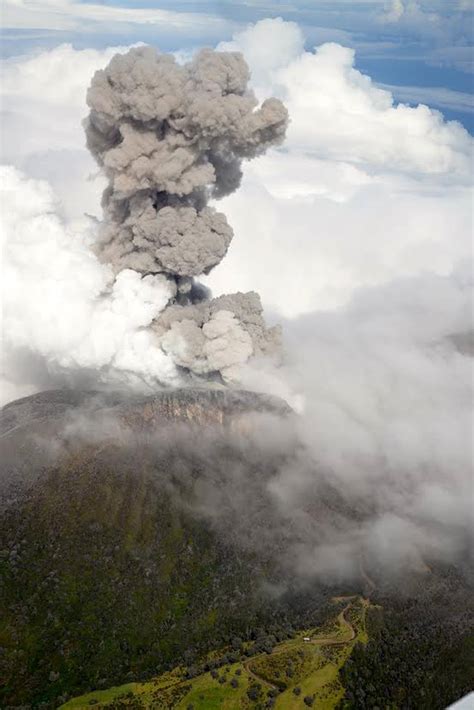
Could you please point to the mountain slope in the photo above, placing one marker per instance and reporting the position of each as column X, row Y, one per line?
column 139, row 533
column 107, row 571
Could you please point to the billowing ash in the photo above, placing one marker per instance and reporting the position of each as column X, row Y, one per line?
column 169, row 138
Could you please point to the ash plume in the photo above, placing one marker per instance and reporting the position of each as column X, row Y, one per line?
column 169, row 138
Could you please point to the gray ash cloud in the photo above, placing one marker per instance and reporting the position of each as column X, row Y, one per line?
column 170, row 138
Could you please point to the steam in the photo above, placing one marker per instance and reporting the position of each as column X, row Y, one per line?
column 66, row 319
column 169, row 138
column 265, row 483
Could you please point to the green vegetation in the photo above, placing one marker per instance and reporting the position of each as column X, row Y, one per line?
column 294, row 674
column 108, row 578
column 110, row 575
column 105, row 577
column 411, row 659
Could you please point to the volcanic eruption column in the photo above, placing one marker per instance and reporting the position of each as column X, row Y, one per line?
column 169, row 137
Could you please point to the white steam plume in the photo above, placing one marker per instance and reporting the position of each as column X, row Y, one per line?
column 61, row 303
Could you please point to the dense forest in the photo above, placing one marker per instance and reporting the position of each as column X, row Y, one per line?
column 421, row 649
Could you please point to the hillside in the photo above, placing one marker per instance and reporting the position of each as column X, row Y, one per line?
column 302, row 671
column 138, row 541
column 107, row 572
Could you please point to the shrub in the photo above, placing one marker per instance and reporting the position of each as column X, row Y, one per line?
column 254, row 691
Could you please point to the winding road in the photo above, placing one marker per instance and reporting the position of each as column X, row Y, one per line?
column 334, row 640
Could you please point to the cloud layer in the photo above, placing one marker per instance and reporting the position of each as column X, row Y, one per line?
column 73, row 15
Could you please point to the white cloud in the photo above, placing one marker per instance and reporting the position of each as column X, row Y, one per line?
column 267, row 46
column 313, row 251
column 43, row 103
column 72, row 14
column 394, row 12
column 60, row 303
column 363, row 191
column 443, row 25
column 385, row 400
column 437, row 95
column 339, row 113
column 414, row 14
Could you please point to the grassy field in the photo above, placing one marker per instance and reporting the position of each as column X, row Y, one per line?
column 295, row 670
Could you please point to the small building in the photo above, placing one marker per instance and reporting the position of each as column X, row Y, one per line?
column 306, row 638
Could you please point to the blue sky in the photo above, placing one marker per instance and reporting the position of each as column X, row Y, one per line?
column 403, row 44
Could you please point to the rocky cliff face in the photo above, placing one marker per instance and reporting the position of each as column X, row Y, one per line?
column 28, row 424
column 201, row 406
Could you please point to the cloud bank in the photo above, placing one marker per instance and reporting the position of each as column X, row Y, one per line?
column 365, row 191
column 73, row 15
